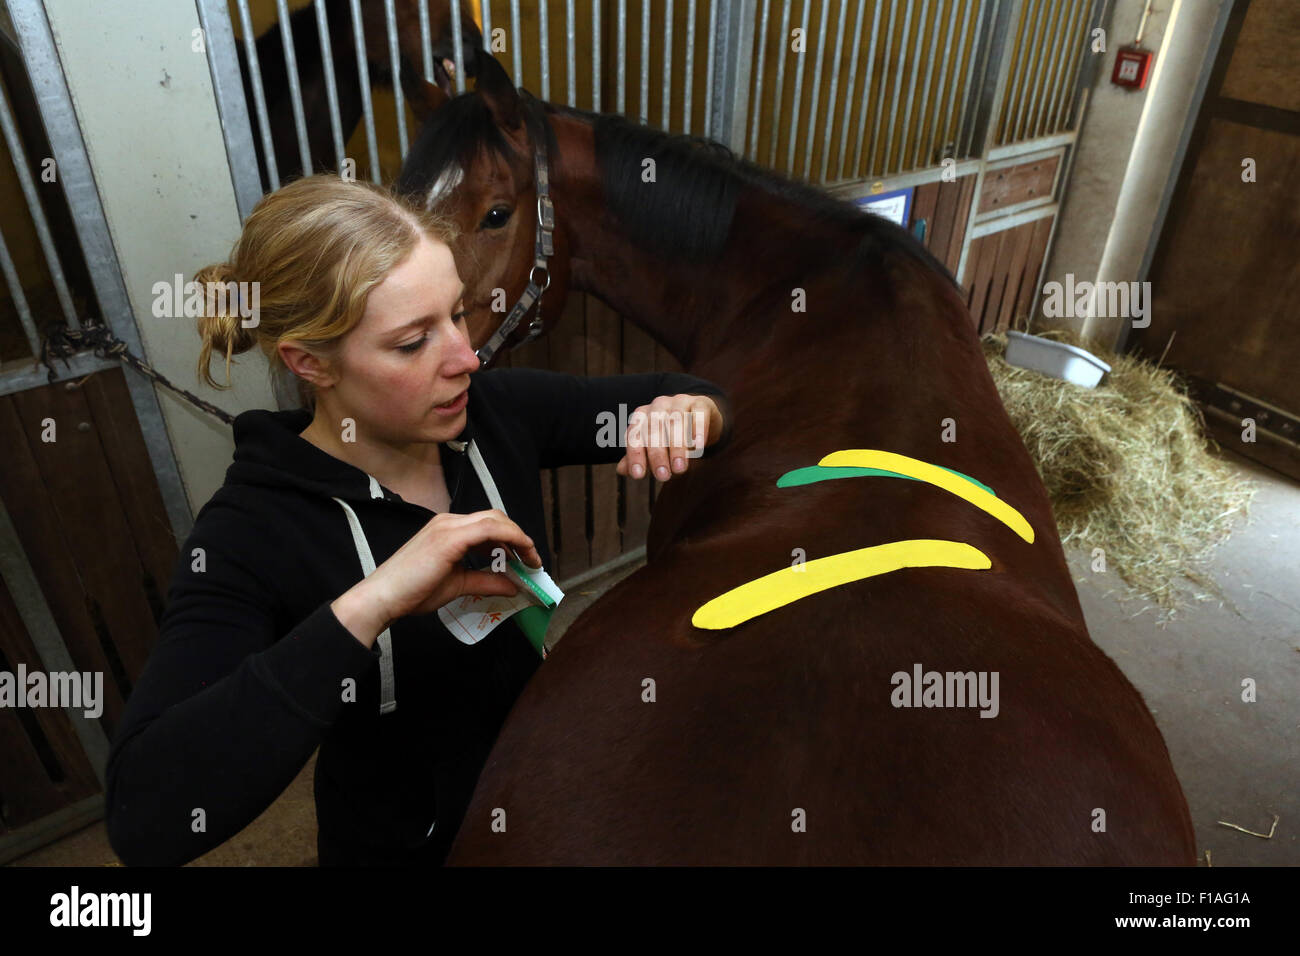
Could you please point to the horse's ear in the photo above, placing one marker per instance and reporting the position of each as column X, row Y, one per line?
column 425, row 98
column 497, row 89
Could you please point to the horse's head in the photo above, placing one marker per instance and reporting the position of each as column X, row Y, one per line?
column 478, row 159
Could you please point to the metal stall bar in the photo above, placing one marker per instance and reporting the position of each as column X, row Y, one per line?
column 367, row 106
column 395, row 64
column 796, row 106
column 903, row 48
column 834, row 92
column 232, row 107
column 690, row 67
column 979, row 52
column 517, row 42
column 1070, row 118
column 914, row 49
column 941, row 121
column 849, row 91
column 1035, row 62
column 622, row 56
column 34, row 208
column 1047, row 54
column 733, row 42
column 485, row 10
column 645, row 61
column 595, row 52
column 884, row 84
column 295, row 87
column 1061, row 73
column 544, row 41
column 855, row 171
column 756, row 99
column 15, row 285
column 570, row 53
column 779, row 96
column 816, row 90
column 69, row 152
column 925, row 92
column 259, row 94
column 709, row 130
column 457, row 57
column 957, row 72
column 991, row 95
column 331, row 87
column 665, row 106
column 426, row 42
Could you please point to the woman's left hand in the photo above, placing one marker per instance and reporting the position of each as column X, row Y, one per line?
column 660, row 434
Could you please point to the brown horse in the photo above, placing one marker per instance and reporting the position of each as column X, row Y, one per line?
column 782, row 740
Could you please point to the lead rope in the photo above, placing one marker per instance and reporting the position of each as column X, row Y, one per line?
column 387, row 692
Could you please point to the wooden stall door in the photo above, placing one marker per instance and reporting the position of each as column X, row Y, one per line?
column 1225, row 278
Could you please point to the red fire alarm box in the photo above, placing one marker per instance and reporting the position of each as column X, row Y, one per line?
column 1132, row 64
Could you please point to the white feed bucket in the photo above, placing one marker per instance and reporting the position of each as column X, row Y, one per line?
column 1056, row 359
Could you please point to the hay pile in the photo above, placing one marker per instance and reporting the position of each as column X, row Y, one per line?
column 1129, row 469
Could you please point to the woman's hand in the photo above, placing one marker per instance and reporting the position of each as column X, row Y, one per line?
column 426, row 572
column 659, row 434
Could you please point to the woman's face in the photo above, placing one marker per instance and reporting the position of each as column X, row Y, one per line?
column 410, row 353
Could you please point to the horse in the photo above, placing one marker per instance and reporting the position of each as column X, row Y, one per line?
column 305, row 31
column 788, row 739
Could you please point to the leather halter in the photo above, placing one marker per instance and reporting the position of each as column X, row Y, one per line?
column 543, row 247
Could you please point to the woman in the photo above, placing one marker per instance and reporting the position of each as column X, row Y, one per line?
column 275, row 641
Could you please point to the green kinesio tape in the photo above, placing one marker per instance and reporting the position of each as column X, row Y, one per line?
column 813, row 473
column 533, row 621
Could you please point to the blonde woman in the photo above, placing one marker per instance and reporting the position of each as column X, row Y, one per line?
column 275, row 641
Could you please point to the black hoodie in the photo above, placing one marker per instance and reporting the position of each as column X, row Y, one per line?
column 249, row 672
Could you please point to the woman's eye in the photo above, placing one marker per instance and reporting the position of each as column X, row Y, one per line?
column 496, row 217
column 413, row 346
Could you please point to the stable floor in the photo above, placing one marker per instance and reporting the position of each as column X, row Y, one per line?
column 1238, row 762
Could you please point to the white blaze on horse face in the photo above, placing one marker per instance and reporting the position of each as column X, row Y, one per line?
column 451, row 177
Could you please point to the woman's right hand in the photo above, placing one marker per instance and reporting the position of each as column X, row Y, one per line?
column 426, row 572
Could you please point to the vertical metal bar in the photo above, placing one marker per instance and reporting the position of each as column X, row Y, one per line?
column 904, row 49
column 849, row 91
column 457, row 54
column 925, row 93
column 970, row 100
column 259, row 94
column 18, row 155
column 796, row 107
column 1064, row 49
column 708, row 71
column 884, row 85
column 426, row 40
column 1034, row 60
column 395, row 64
column 665, row 106
column 833, row 93
column 15, row 286
column 915, row 50
column 295, row 87
column 1082, row 78
column 645, row 61
column 622, row 57
column 69, row 151
column 733, row 46
column 331, row 84
column 1051, row 46
column 779, row 97
column 757, row 99
column 689, row 88
column 516, row 44
column 866, row 90
column 570, row 53
column 485, row 8
column 367, row 106
column 956, row 73
column 1061, row 112
column 816, row 91
column 595, row 58
column 544, row 39
column 938, row 116
column 232, row 105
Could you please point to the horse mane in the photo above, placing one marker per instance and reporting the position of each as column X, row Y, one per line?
column 690, row 219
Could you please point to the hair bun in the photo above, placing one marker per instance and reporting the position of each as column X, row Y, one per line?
column 221, row 326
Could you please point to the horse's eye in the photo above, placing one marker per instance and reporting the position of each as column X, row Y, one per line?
column 497, row 217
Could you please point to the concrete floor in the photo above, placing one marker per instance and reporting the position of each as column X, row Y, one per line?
column 1238, row 762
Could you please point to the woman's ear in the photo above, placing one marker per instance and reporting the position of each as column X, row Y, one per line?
column 306, row 364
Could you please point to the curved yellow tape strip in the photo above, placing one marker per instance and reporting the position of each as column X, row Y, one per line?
column 790, row 584
column 934, row 475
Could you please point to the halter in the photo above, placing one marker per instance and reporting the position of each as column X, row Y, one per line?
column 543, row 246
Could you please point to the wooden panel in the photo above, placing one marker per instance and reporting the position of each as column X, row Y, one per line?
column 1016, row 184
column 1016, row 254
column 568, row 355
column 1263, row 62
column 1235, row 312
column 964, row 200
column 1004, row 269
column 604, row 357
column 924, row 199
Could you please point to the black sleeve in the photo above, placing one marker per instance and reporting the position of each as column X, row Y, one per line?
column 224, row 715
column 572, row 416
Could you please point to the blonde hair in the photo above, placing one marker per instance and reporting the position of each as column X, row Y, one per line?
column 315, row 248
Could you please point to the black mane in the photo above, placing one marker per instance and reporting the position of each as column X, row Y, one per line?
column 691, row 217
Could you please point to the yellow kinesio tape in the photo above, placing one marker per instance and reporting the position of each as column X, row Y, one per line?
column 794, row 583
column 934, row 475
